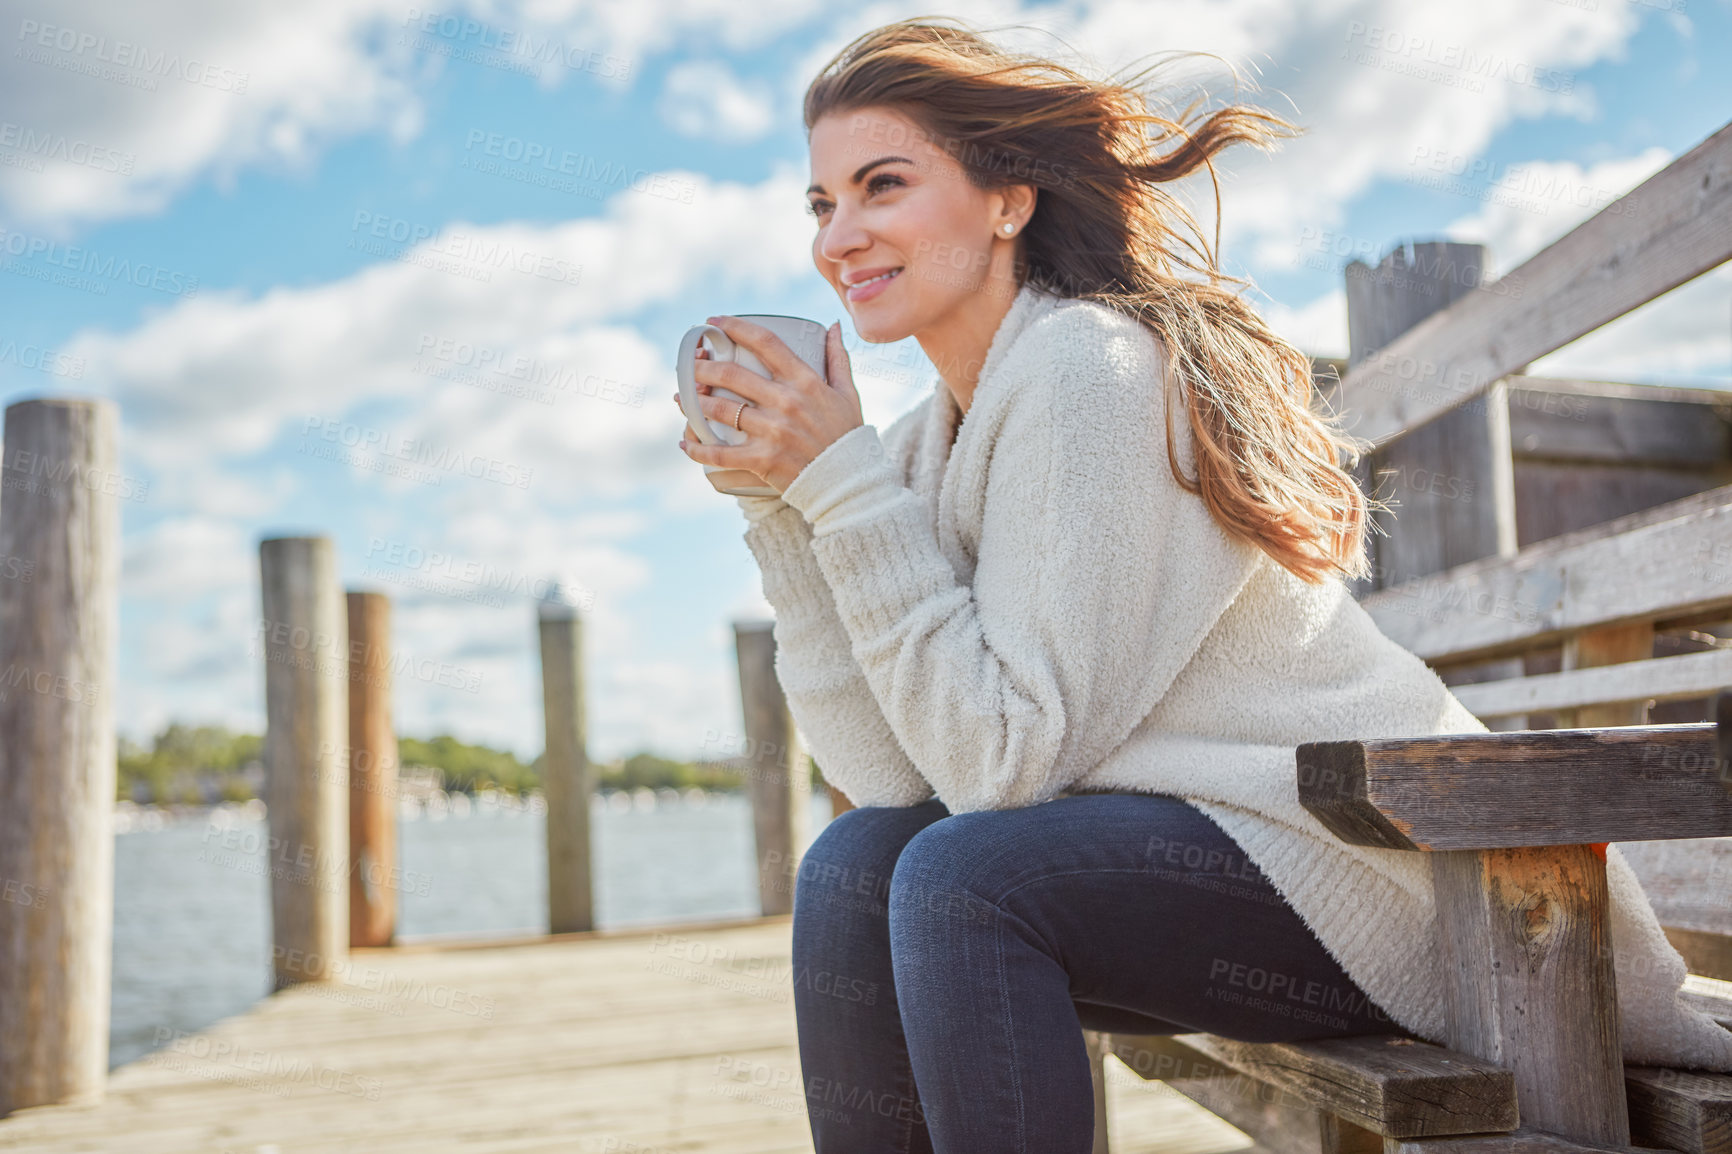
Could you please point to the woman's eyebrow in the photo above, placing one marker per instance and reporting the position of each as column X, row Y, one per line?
column 864, row 169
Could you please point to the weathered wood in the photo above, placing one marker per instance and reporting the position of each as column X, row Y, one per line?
column 1671, row 228
column 1506, row 790
column 566, row 771
column 1558, row 497
column 372, row 764
column 1595, row 648
column 1528, row 982
column 1522, row 1141
column 306, row 776
column 1612, row 423
column 1704, row 952
column 1673, row 560
column 1449, row 483
column 1339, row 1136
column 1394, row 1086
column 778, row 779
column 1278, row 1121
column 1680, row 1109
column 60, row 541
column 1678, row 678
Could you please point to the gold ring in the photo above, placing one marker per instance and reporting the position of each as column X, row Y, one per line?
column 737, row 413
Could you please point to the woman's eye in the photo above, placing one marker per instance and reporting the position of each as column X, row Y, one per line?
column 881, row 181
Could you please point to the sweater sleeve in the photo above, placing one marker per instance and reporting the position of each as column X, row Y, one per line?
column 827, row 693
column 1096, row 579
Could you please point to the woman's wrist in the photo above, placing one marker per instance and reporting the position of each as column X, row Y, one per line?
column 757, row 508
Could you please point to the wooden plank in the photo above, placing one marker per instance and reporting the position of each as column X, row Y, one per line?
column 1680, row 1109
column 1704, row 953
column 1528, row 983
column 1558, row 497
column 1523, row 1141
column 1507, row 790
column 1673, row 227
column 1612, row 423
column 1278, row 1121
column 1396, row 1086
column 1658, row 679
column 1673, row 560
column 1613, row 645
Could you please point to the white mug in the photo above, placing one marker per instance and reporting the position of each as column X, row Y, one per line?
column 804, row 337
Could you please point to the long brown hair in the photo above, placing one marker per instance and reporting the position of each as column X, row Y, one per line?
column 1269, row 466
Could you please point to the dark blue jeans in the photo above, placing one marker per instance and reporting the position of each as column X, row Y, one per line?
column 944, row 970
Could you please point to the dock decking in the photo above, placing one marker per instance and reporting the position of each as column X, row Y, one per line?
column 643, row 1041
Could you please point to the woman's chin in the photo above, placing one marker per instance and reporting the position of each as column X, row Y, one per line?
column 876, row 331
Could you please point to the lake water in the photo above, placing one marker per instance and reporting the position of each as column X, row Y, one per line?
column 192, row 926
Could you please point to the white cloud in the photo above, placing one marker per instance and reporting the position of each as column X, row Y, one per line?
column 112, row 110
column 705, row 98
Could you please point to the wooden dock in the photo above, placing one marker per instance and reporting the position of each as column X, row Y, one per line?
column 645, row 1041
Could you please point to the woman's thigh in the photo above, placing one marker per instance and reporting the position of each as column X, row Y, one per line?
column 1158, row 918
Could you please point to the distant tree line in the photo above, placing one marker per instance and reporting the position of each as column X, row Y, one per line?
column 204, row 763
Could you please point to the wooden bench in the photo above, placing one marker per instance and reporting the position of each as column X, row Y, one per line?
column 1566, row 636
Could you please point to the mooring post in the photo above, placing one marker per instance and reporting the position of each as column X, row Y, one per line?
column 306, row 772
column 565, row 766
column 777, row 778
column 58, row 611
column 372, row 774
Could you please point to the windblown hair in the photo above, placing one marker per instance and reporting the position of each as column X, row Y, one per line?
column 1269, row 466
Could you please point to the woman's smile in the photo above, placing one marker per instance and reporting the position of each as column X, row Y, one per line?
column 865, row 290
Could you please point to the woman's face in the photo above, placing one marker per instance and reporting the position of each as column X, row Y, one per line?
column 887, row 200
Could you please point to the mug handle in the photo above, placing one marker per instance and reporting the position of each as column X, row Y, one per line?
column 722, row 348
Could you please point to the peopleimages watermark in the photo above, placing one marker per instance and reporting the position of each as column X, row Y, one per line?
column 484, row 579
column 36, row 474
column 547, row 166
column 292, row 644
column 37, row 359
column 1442, row 62
column 1528, row 186
column 378, row 449
column 120, row 60
column 30, row 149
column 475, row 256
column 85, row 269
column 465, row 38
column 516, row 374
column 272, row 1073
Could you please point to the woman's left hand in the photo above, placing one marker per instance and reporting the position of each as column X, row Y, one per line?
column 790, row 416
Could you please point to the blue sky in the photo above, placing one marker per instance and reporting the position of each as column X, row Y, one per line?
column 317, row 195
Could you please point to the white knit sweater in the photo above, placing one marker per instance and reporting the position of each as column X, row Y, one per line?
column 1040, row 608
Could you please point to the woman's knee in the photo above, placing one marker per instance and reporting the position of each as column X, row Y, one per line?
column 946, row 870
column 854, row 854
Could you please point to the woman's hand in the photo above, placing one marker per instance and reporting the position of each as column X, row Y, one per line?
column 790, row 416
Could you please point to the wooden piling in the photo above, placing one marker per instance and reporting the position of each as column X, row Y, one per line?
column 777, row 777
column 565, row 767
column 372, row 774
column 306, row 774
column 1450, row 479
column 58, row 610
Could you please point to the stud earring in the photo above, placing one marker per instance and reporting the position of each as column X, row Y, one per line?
column 1009, row 228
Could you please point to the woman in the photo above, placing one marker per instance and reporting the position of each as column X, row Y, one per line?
column 1059, row 631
